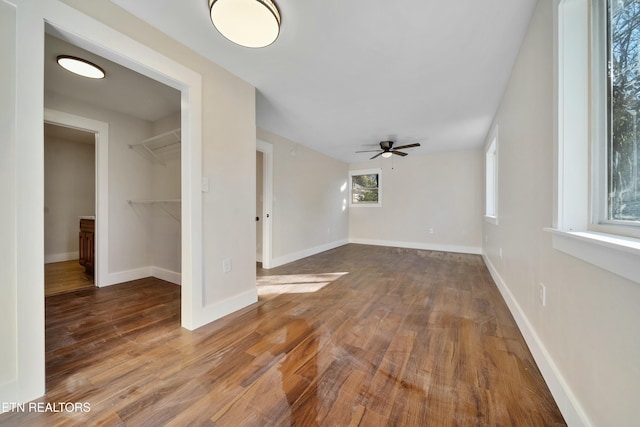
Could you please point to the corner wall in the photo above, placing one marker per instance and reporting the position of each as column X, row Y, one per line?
column 585, row 339
column 310, row 212
column 440, row 192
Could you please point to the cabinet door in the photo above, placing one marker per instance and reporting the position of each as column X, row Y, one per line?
column 82, row 247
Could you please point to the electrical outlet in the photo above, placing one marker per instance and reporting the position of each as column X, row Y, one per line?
column 430, row 230
column 542, row 294
column 500, row 253
column 226, row 265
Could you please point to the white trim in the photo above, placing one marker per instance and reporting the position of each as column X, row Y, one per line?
column 267, row 203
column 127, row 276
column 617, row 254
column 285, row 259
column 167, row 275
column 572, row 412
column 101, row 130
column 141, row 273
column 95, row 36
column 377, row 171
column 419, row 245
column 227, row 306
column 61, row 257
column 572, row 118
column 491, row 191
column 491, row 219
column 87, row 33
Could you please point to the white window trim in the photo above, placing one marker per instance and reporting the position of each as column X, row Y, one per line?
column 366, row 172
column 491, row 149
column 574, row 231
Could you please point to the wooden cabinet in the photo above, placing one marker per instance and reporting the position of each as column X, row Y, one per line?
column 86, row 244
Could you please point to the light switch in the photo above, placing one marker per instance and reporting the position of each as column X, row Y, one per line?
column 205, row 184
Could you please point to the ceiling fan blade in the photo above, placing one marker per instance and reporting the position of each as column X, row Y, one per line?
column 377, row 155
column 417, row 144
column 368, row 151
column 399, row 153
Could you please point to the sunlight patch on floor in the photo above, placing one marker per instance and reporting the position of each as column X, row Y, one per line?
column 295, row 283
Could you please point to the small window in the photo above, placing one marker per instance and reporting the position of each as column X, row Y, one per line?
column 365, row 187
column 491, row 178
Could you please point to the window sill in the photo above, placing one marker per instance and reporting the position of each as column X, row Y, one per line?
column 619, row 255
column 491, row 219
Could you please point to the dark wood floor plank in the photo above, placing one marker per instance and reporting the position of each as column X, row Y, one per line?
column 356, row 336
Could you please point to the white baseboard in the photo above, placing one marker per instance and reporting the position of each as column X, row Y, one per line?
column 127, row 276
column 571, row 410
column 418, row 245
column 61, row 257
column 276, row 262
column 141, row 273
column 220, row 309
column 168, row 275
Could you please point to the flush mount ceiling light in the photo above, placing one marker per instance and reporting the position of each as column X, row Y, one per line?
column 80, row 66
column 249, row 23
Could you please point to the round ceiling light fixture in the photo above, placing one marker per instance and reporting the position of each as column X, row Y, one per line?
column 249, row 23
column 80, row 66
column 387, row 154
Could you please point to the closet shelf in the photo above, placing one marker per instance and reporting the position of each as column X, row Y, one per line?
column 160, row 148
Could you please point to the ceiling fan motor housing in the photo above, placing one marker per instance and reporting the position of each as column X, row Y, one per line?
column 386, row 145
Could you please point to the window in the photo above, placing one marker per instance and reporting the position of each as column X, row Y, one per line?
column 365, row 187
column 595, row 217
column 615, row 86
column 622, row 202
column 491, row 178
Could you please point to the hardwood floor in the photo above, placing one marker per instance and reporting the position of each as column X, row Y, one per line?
column 66, row 276
column 355, row 336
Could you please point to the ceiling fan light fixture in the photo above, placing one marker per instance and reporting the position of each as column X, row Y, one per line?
column 249, row 23
column 387, row 154
column 80, row 66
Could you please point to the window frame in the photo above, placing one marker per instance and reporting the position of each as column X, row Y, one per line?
column 360, row 172
column 577, row 229
column 491, row 177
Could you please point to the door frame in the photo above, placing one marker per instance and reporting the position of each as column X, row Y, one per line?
column 31, row 18
column 267, row 201
column 101, row 130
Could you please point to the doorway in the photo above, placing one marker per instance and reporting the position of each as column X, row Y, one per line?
column 69, row 208
column 264, row 202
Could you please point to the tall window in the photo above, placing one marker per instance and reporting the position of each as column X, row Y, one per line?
column 491, row 178
column 365, row 187
column 623, row 86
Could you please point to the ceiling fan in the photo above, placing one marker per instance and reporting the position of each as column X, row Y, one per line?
column 387, row 150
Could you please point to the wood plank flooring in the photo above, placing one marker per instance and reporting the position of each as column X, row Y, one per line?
column 355, row 336
column 65, row 276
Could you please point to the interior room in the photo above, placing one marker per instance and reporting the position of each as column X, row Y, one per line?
column 408, row 219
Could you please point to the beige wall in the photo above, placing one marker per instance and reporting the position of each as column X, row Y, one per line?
column 589, row 326
column 442, row 192
column 69, row 192
column 309, row 212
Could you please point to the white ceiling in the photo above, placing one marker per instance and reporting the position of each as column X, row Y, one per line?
column 344, row 75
